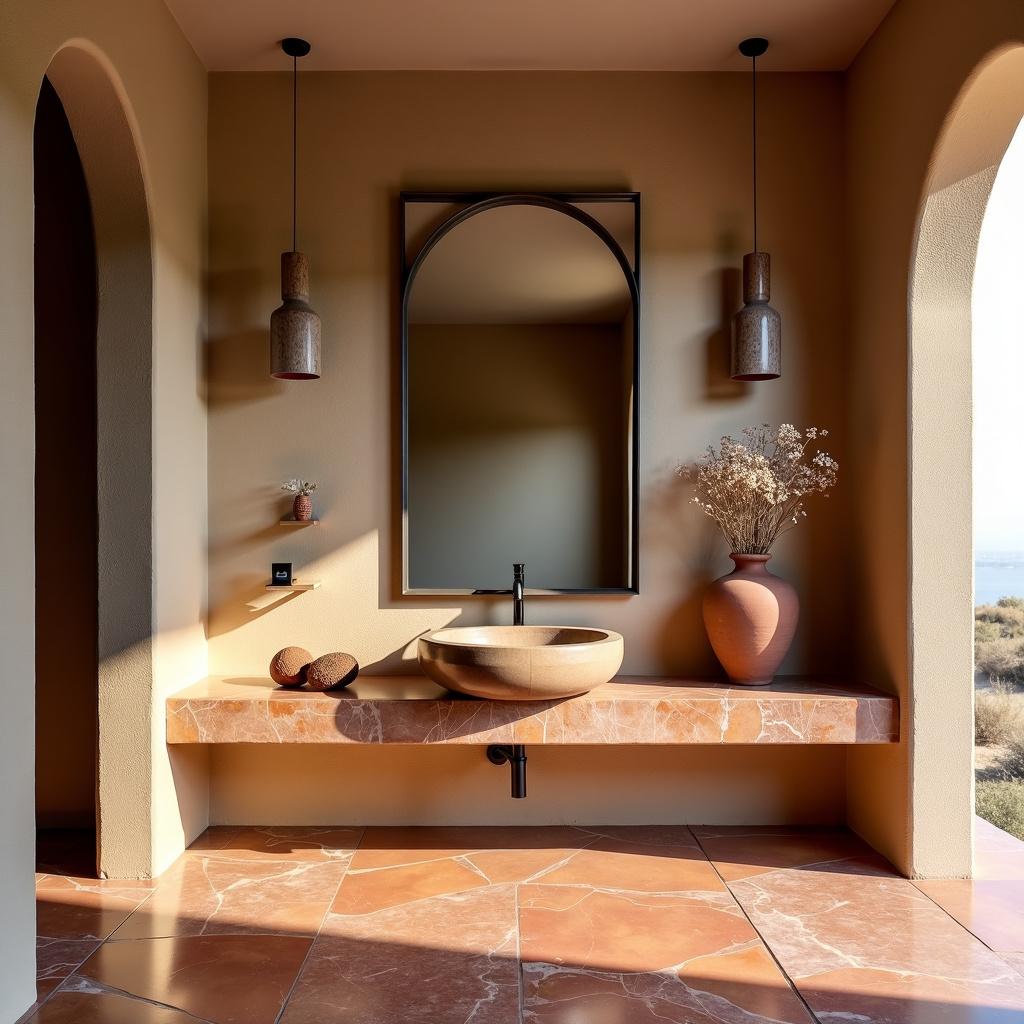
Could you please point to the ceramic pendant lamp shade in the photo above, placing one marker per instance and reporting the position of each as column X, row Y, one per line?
column 294, row 325
column 757, row 327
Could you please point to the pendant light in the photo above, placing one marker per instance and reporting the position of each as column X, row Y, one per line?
column 757, row 327
column 294, row 326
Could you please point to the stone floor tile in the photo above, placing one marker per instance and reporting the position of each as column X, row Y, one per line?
column 743, row 851
column 991, row 909
column 57, row 958
column 447, row 959
column 223, row 979
column 870, row 948
column 95, row 1006
column 673, row 837
column 591, row 955
column 288, row 843
column 612, row 863
column 1015, row 960
column 396, row 866
column 392, row 846
column 216, row 837
column 623, row 931
column 211, row 895
column 741, row 986
column 997, row 854
column 368, row 890
column 86, row 908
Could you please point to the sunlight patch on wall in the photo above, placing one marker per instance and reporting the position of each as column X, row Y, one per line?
column 345, row 614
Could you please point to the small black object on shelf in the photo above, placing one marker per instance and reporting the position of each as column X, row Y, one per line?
column 281, row 574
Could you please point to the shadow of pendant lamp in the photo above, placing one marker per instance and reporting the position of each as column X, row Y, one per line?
column 757, row 327
column 294, row 325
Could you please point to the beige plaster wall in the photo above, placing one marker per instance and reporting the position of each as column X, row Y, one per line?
column 163, row 90
column 411, row 785
column 683, row 141
column 912, row 147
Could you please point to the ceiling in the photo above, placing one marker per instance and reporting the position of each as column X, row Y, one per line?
column 578, row 35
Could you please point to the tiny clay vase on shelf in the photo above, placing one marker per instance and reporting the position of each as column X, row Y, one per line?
column 302, row 508
column 750, row 616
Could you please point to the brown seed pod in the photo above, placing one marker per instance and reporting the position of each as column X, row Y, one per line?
column 288, row 667
column 332, row 671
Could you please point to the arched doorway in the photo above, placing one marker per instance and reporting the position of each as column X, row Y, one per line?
column 85, row 86
column 67, row 667
column 998, row 502
column 963, row 168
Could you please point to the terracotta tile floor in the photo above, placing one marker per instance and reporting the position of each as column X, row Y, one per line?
column 559, row 925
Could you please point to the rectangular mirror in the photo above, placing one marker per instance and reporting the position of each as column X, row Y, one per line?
column 520, row 363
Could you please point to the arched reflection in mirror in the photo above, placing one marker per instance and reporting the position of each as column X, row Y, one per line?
column 519, row 367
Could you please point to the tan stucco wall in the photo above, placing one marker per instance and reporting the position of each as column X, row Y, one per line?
column 910, row 402
column 412, row 785
column 164, row 89
column 681, row 140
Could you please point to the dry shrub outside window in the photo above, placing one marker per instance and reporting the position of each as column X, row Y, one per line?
column 999, row 640
column 1002, row 803
column 997, row 716
column 1011, row 763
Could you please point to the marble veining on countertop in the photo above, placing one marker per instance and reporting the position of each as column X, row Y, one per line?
column 627, row 710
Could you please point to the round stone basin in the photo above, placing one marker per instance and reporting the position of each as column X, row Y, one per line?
column 521, row 662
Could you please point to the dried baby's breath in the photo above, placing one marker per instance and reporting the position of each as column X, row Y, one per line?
column 754, row 488
column 299, row 487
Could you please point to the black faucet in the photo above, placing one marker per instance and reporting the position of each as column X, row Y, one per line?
column 518, row 594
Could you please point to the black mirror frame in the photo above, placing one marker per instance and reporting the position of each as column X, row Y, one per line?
column 471, row 204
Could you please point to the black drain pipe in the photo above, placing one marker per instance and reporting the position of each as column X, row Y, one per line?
column 515, row 755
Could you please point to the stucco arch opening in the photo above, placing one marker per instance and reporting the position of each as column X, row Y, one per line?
column 976, row 134
column 105, row 135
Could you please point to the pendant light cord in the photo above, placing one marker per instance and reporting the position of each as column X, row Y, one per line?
column 295, row 140
column 753, row 121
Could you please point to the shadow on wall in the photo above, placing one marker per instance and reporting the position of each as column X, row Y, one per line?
column 718, row 385
column 247, row 600
column 244, row 597
column 232, row 375
column 237, row 349
column 682, row 644
column 237, row 363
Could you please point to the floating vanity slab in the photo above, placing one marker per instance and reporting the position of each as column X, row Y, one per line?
column 629, row 709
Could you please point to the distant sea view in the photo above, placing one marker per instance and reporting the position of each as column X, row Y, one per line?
column 998, row 574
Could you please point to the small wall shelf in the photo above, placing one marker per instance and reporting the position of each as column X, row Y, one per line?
column 296, row 586
column 298, row 522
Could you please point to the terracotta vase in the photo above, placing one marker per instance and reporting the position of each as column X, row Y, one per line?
column 302, row 508
column 750, row 617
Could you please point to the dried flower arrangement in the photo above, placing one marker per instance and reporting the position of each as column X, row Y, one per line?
column 755, row 488
column 299, row 487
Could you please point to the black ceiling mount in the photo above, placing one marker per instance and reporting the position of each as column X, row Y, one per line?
column 295, row 47
column 753, row 47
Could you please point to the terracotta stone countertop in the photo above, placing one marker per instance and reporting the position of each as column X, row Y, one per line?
column 629, row 709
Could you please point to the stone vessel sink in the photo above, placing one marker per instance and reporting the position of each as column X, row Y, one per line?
column 521, row 662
